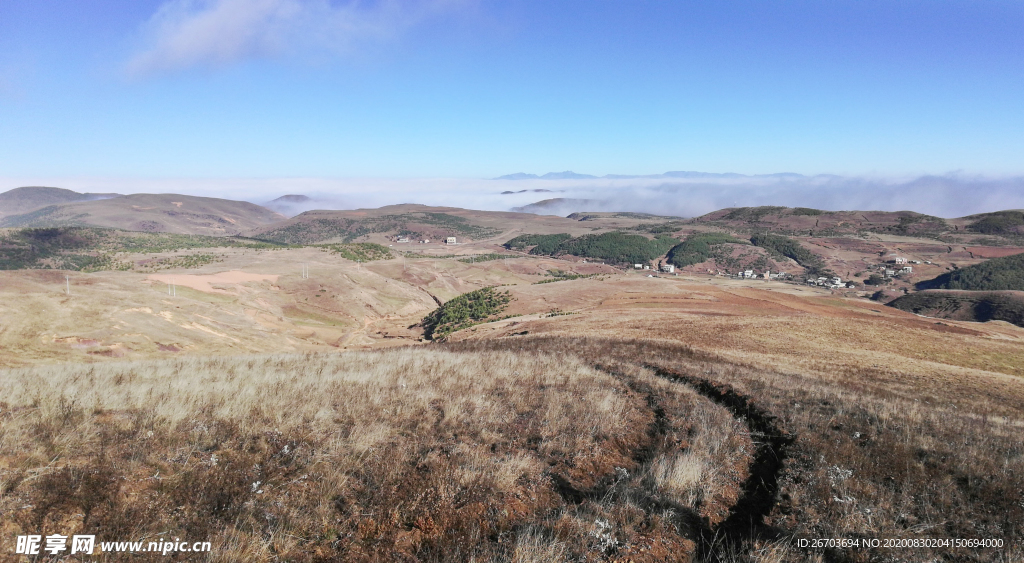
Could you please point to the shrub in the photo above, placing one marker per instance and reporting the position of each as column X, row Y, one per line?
column 464, row 311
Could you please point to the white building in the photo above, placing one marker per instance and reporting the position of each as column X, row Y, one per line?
column 449, row 240
column 638, row 266
column 402, row 239
column 668, row 268
column 748, row 273
column 907, row 269
column 899, row 260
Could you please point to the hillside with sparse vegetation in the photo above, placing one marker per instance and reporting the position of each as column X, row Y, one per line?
column 318, row 227
column 786, row 247
column 998, row 223
column 359, row 252
column 93, row 249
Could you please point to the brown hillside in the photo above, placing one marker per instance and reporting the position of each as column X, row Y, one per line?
column 171, row 213
column 433, row 223
column 30, row 198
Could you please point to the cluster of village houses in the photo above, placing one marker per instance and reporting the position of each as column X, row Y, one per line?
column 896, row 266
column 448, row 240
column 667, row 268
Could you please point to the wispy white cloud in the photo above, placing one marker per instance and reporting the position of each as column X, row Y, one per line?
column 214, row 33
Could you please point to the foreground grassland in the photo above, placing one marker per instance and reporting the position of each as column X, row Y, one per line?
column 409, row 455
column 513, row 449
column 846, row 457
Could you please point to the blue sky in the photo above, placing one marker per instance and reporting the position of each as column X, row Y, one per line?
column 464, row 88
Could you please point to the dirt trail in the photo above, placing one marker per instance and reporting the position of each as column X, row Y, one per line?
column 624, row 485
column 746, row 520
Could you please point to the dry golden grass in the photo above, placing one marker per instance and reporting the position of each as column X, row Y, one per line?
column 498, row 448
column 412, row 454
column 865, row 461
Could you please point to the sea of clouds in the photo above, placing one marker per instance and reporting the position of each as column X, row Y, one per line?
column 952, row 195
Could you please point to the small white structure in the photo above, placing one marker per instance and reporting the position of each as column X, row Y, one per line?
column 748, row 273
column 647, row 267
column 837, row 281
column 402, row 239
column 449, row 240
column 889, row 273
column 669, row 268
column 638, row 266
column 899, row 260
column 907, row 269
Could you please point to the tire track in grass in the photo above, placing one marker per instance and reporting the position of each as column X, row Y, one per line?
column 746, row 520
column 635, row 486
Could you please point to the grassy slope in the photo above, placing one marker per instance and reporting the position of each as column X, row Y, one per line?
column 412, row 455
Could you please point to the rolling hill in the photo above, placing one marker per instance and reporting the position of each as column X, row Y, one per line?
column 169, row 213
column 804, row 220
column 30, row 198
column 424, row 222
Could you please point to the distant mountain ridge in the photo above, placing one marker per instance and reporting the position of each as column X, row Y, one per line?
column 570, row 175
